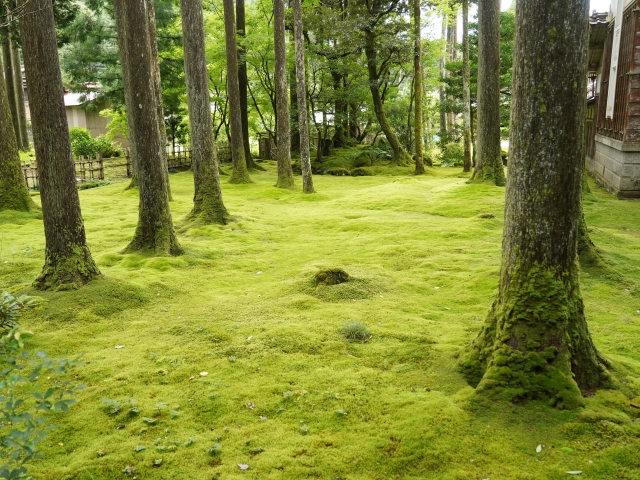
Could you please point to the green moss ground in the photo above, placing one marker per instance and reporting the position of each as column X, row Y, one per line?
column 240, row 305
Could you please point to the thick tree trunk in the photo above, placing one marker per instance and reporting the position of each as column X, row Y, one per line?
column 283, row 133
column 466, row 86
column 417, row 86
column 242, row 82
column 154, row 233
column 488, row 160
column 401, row 157
column 19, row 89
column 68, row 261
column 240, row 172
column 340, row 109
column 118, row 10
column 303, row 120
column 13, row 190
column 452, row 38
column 535, row 342
column 208, row 206
column 10, row 87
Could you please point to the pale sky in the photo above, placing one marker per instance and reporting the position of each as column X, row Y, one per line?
column 599, row 5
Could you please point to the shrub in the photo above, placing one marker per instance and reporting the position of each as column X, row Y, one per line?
column 11, row 309
column 361, row 172
column 356, row 332
column 82, row 144
column 363, row 160
column 339, row 172
column 452, row 155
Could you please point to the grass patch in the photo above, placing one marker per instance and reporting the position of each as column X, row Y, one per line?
column 229, row 350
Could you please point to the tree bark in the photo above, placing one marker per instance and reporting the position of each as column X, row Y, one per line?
column 154, row 233
column 466, row 86
column 535, row 342
column 301, row 84
column 19, row 89
column 208, row 206
column 14, row 194
column 293, row 96
column 68, row 261
column 283, row 133
column 443, row 74
column 401, row 157
column 240, row 173
column 488, row 160
column 10, row 87
column 452, row 38
column 417, row 86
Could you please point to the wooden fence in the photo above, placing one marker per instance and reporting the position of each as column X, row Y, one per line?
column 90, row 169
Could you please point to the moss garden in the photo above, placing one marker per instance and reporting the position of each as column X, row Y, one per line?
column 316, row 336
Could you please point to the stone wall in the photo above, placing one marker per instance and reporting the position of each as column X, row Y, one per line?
column 616, row 166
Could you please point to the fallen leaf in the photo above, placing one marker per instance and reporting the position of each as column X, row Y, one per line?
column 249, row 337
column 204, row 374
column 139, row 448
column 243, row 466
column 251, row 405
column 575, row 472
column 119, row 346
column 538, row 448
column 191, row 377
column 262, row 418
column 61, row 444
column 258, row 273
column 157, row 462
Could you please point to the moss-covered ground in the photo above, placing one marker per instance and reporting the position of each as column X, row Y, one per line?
column 284, row 392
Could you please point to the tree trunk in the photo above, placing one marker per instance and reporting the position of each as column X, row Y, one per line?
column 443, row 74
column 208, row 206
column 401, row 157
column 293, row 98
column 417, row 85
column 452, row 38
column 466, row 86
column 154, row 233
column 340, row 108
column 488, row 160
column 242, row 82
column 535, row 342
column 68, row 261
column 283, row 133
column 240, row 173
column 301, row 83
column 118, row 10
column 10, row 87
column 19, row 89
column 13, row 190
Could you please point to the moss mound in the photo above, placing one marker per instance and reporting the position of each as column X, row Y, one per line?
column 331, row 276
column 335, row 285
column 363, row 160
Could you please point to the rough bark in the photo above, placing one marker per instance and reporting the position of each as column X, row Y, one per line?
column 488, row 160
column 401, row 157
column 10, row 87
column 293, row 99
column 452, row 38
column 283, row 133
column 466, row 87
column 443, row 74
column 417, row 86
column 208, row 206
column 13, row 190
column 19, row 89
column 301, row 81
column 68, row 261
column 535, row 342
column 242, row 82
column 154, row 233
column 240, row 172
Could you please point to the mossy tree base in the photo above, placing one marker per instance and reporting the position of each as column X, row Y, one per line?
column 67, row 272
column 491, row 173
column 16, row 197
column 535, row 343
column 160, row 243
column 240, row 176
column 286, row 182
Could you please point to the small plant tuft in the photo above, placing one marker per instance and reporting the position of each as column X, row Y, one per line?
column 356, row 332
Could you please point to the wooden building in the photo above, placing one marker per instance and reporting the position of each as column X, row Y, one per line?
column 613, row 113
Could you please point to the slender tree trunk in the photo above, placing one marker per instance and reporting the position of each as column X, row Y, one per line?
column 240, row 173
column 443, row 74
column 9, row 85
column 154, row 233
column 401, row 157
column 301, row 83
column 453, row 56
column 242, row 82
column 417, row 86
column 208, row 206
column 293, row 96
column 340, row 110
column 118, row 9
column 535, row 342
column 488, row 159
column 283, row 133
column 466, row 86
column 19, row 89
column 68, row 261
column 13, row 190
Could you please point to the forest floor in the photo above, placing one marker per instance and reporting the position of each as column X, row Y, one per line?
column 284, row 392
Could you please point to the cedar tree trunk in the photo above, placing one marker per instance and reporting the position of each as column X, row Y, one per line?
column 466, row 86
column 535, row 342
column 301, row 84
column 488, row 160
column 154, row 233
column 13, row 190
column 68, row 260
column 10, row 87
column 443, row 73
column 207, row 199
column 19, row 89
column 240, row 173
column 283, row 133
column 417, row 86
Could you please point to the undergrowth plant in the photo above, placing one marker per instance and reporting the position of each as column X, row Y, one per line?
column 31, row 387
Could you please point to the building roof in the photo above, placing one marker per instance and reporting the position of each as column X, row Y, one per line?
column 598, row 27
column 77, row 99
